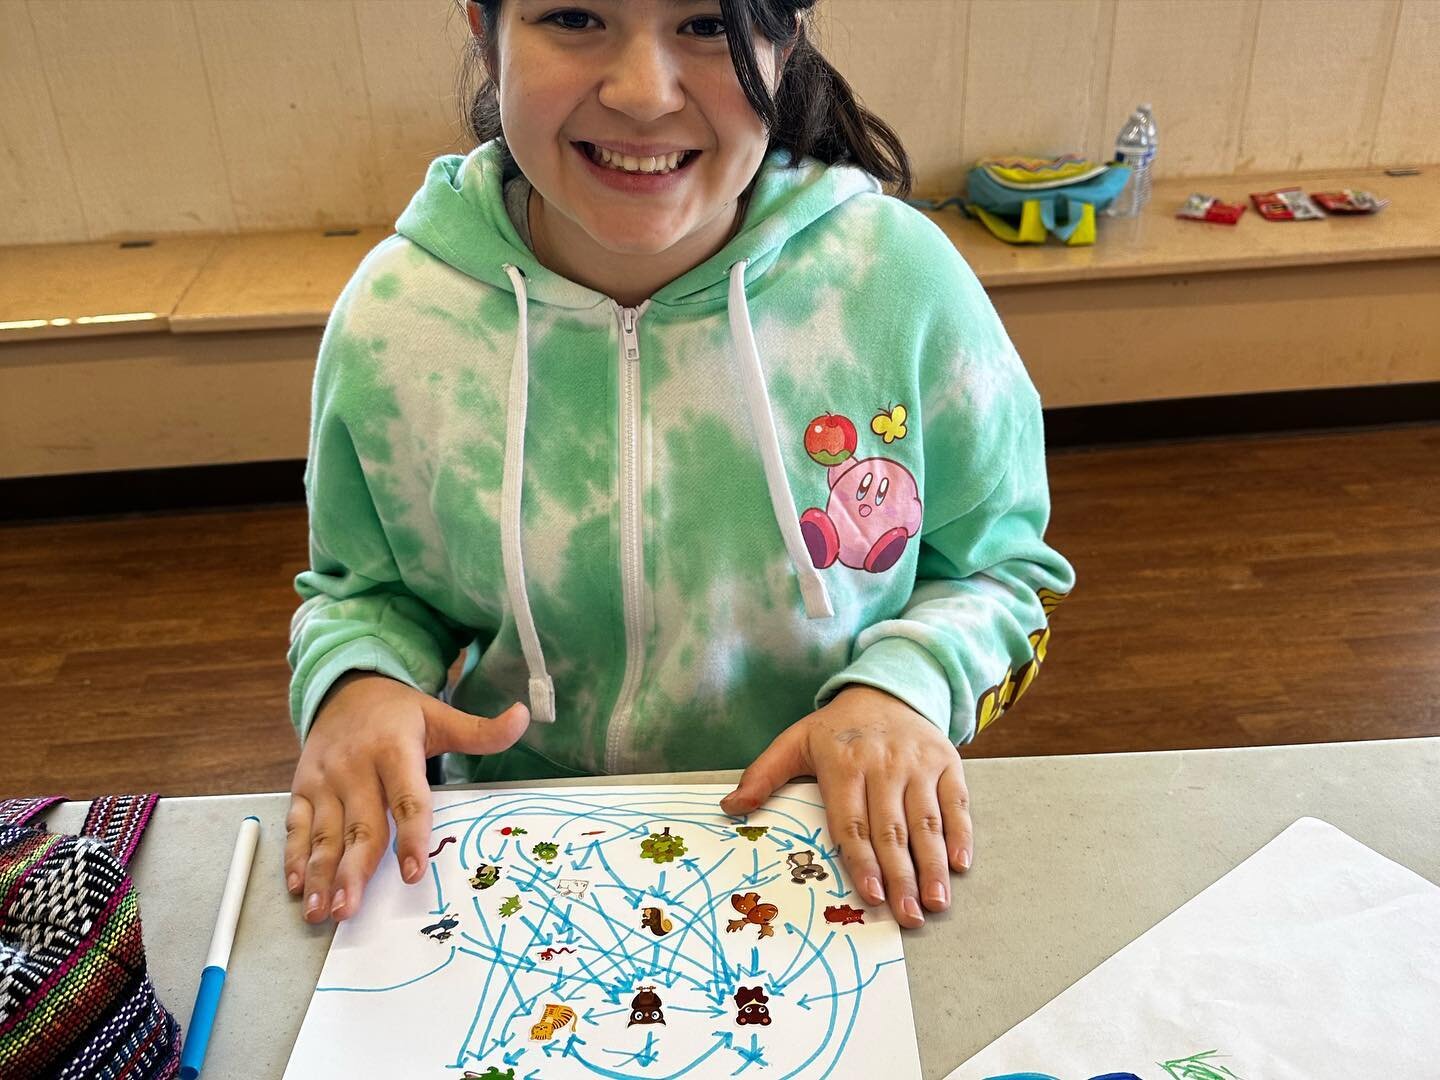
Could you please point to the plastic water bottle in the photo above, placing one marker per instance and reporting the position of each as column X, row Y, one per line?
column 1135, row 146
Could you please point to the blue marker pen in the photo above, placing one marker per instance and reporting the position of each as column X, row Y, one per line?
column 207, row 1000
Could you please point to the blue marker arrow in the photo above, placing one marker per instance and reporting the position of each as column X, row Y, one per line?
column 513, row 1058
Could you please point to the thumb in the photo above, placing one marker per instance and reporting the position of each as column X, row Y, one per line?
column 782, row 760
column 447, row 728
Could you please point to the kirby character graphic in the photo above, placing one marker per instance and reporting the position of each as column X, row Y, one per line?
column 874, row 506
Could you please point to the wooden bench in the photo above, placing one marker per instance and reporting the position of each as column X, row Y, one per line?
column 199, row 350
column 1165, row 308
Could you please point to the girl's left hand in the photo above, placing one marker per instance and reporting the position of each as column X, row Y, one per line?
column 894, row 794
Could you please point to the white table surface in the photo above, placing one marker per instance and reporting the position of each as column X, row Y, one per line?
column 1075, row 857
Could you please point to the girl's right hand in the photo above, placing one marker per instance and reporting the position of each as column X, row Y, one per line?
column 365, row 754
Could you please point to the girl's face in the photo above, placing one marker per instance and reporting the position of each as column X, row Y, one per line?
column 642, row 77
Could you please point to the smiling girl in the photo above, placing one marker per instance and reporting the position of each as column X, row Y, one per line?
column 706, row 453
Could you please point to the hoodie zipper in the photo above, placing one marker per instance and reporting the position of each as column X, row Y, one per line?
column 632, row 548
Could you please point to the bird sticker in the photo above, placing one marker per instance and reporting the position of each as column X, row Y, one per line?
column 441, row 931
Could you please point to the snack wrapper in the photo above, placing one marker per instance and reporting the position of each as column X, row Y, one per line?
column 1286, row 204
column 1199, row 207
column 1349, row 201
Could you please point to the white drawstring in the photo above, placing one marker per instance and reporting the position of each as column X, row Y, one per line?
column 812, row 586
column 782, row 502
column 542, row 689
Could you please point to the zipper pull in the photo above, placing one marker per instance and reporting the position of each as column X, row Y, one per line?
column 627, row 328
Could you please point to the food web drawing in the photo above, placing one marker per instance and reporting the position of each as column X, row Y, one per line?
column 619, row 932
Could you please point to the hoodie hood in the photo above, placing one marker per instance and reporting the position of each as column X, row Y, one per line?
column 459, row 215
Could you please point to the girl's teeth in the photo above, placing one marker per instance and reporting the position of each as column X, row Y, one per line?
column 629, row 163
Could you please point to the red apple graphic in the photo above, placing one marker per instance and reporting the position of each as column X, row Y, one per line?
column 830, row 439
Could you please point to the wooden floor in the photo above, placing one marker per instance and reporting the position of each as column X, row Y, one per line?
column 1231, row 593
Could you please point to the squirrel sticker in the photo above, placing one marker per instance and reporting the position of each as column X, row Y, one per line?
column 654, row 920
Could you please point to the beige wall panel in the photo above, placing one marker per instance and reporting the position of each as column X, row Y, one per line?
column 1192, row 64
column 1035, row 77
column 155, row 401
column 130, row 95
column 905, row 61
column 289, row 92
column 1232, row 333
column 1409, row 129
column 412, row 51
column 1316, row 84
column 36, row 188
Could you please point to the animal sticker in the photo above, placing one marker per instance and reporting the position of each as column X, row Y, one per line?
column 509, row 906
column 752, row 832
column 654, row 920
column 571, row 887
column 645, row 1008
column 554, row 1018
column 550, row 952
column 874, row 505
column 756, row 914
column 492, row 1073
column 803, row 867
column 844, row 914
column 441, row 846
column 485, row 876
column 545, row 851
column 753, row 1006
column 441, row 931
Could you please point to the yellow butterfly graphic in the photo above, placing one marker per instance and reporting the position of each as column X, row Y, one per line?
column 890, row 425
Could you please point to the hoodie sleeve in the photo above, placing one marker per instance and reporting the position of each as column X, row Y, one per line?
column 357, row 612
column 975, row 631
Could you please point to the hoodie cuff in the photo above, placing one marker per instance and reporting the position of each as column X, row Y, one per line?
column 903, row 669
column 362, row 654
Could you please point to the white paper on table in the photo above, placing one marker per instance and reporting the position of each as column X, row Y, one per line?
column 1314, row 959
column 395, row 1002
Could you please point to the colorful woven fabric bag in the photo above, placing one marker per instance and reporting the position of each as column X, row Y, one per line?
column 76, row 999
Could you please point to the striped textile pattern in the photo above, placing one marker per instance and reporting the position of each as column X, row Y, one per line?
column 75, row 995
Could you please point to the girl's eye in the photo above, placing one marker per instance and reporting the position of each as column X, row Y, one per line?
column 880, row 493
column 709, row 23
column 555, row 16
column 864, row 487
column 712, row 22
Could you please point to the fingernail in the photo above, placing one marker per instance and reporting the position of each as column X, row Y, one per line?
column 965, row 859
column 874, row 891
column 911, row 908
column 313, row 904
column 293, row 882
column 412, row 870
column 935, row 893
column 338, row 904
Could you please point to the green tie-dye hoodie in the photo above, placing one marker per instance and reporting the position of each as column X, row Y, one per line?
column 814, row 459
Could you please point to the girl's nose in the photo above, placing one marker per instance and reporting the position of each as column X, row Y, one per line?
column 644, row 80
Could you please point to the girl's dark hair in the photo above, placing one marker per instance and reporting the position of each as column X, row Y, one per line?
column 814, row 112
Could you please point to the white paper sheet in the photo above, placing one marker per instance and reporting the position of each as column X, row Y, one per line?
column 1315, row 959
column 432, row 980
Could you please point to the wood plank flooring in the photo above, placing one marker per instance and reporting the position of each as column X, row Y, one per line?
column 1231, row 593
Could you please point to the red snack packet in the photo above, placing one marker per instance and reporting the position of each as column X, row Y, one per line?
column 1200, row 207
column 1348, row 201
column 1286, row 204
